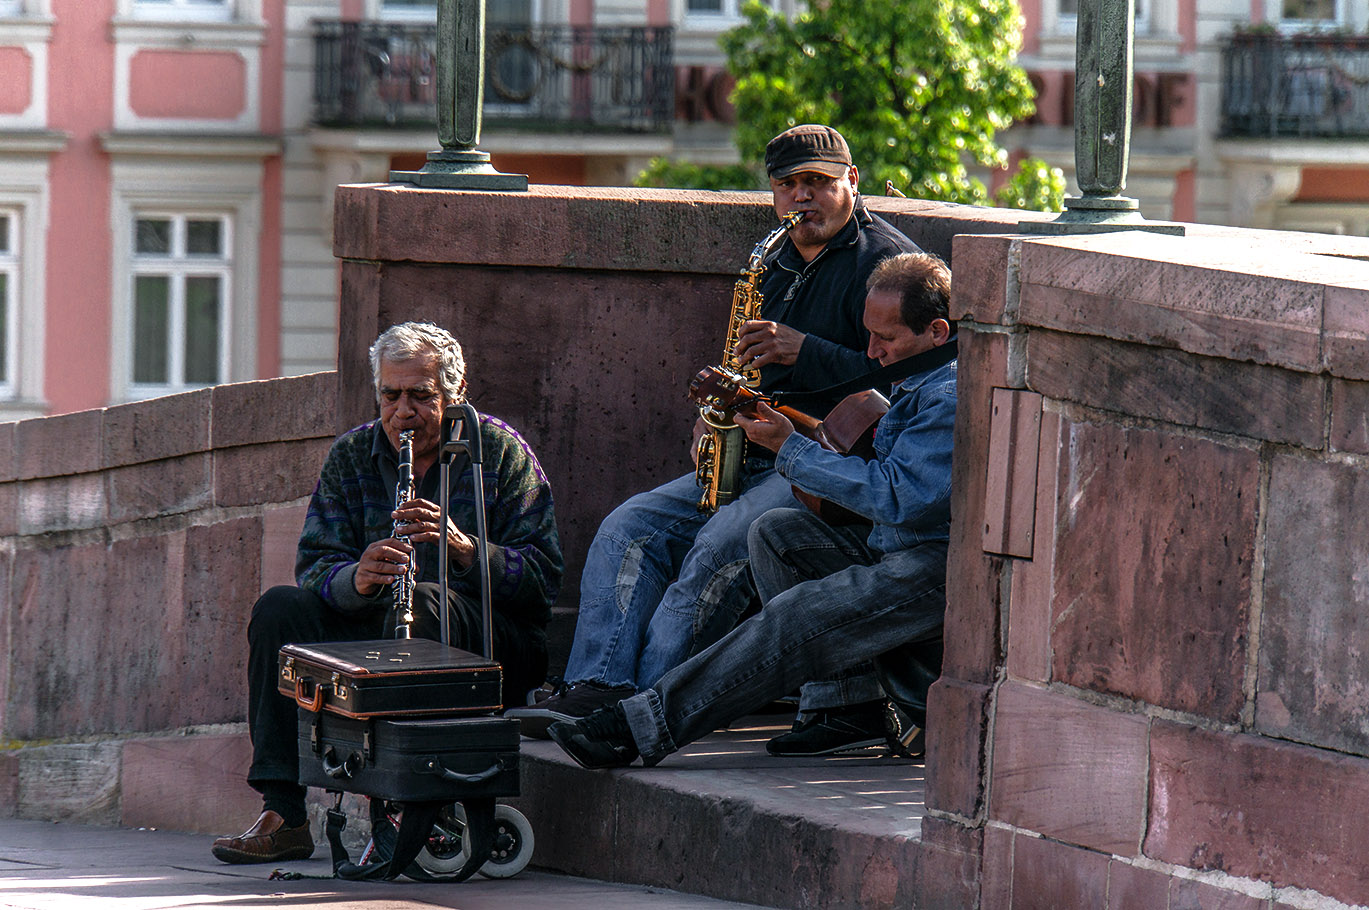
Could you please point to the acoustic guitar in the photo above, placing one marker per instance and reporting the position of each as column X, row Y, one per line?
column 848, row 430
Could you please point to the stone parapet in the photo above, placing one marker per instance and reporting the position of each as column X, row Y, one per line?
column 1174, row 653
column 138, row 538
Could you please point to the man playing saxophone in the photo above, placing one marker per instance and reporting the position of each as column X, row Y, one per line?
column 358, row 541
column 663, row 578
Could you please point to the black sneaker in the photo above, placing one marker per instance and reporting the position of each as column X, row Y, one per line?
column 834, row 730
column 576, row 701
column 553, row 686
column 602, row 740
column 904, row 738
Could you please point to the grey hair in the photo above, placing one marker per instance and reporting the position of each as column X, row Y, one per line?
column 410, row 339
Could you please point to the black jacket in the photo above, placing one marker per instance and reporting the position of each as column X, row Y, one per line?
column 825, row 299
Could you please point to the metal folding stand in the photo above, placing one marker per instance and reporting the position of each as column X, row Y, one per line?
column 462, row 434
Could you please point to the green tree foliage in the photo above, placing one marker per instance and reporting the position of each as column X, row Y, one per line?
column 664, row 172
column 919, row 88
column 1036, row 186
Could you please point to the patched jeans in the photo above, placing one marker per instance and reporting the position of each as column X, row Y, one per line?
column 663, row 580
column 867, row 605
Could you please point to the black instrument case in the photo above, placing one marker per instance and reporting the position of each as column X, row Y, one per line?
column 443, row 759
column 390, row 677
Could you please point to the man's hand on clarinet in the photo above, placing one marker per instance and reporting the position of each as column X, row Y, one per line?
column 418, row 520
column 381, row 564
column 761, row 343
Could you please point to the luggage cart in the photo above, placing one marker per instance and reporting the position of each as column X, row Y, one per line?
column 410, row 724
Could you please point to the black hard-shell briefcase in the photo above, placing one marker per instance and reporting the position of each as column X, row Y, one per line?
column 444, row 759
column 390, row 677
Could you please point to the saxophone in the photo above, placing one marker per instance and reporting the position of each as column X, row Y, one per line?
column 403, row 586
column 723, row 446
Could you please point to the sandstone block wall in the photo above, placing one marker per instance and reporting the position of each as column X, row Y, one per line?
column 584, row 313
column 133, row 542
column 1154, row 685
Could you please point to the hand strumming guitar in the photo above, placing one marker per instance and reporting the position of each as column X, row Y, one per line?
column 766, row 426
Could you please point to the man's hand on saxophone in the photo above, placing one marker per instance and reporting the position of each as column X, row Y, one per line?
column 761, row 343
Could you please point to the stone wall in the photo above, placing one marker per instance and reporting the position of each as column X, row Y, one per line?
column 1153, row 693
column 584, row 312
column 133, row 541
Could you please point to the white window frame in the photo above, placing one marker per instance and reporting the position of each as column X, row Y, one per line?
column 1068, row 23
column 24, row 197
column 183, row 10
column 1339, row 20
column 10, row 257
column 730, row 14
column 195, row 185
column 385, row 12
column 178, row 266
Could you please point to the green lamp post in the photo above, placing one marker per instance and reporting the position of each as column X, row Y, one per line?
column 1102, row 126
column 459, row 165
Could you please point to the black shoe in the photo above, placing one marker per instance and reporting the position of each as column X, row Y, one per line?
column 553, row 686
column 905, row 738
column 834, row 730
column 602, row 740
column 576, row 701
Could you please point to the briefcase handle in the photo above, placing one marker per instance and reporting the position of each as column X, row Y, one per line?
column 314, row 703
column 433, row 765
column 339, row 769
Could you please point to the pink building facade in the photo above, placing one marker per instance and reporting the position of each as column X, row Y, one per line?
column 167, row 167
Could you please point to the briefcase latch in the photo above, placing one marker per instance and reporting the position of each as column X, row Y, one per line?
column 287, row 670
column 340, row 687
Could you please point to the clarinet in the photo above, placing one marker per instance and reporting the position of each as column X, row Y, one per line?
column 403, row 586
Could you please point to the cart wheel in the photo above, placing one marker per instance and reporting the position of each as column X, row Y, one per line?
column 450, row 843
column 445, row 853
column 513, row 844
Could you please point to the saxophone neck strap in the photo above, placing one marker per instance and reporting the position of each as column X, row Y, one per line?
column 882, row 378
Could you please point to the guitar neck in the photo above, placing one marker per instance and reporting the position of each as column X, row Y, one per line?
column 720, row 390
column 805, row 423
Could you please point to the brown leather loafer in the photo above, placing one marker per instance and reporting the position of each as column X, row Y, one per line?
column 267, row 841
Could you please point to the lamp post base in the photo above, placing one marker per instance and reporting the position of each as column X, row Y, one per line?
column 461, row 169
column 1100, row 215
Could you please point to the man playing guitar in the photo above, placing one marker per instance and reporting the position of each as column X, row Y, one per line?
column 835, row 597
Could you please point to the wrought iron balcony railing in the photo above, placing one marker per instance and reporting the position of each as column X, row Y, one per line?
column 1310, row 86
column 376, row 74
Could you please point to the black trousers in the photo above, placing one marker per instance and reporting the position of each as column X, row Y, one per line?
column 286, row 614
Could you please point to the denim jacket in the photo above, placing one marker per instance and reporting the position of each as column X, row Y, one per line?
column 906, row 488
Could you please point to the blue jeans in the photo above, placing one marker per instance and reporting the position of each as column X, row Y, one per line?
column 807, row 557
column 866, row 605
column 663, row 579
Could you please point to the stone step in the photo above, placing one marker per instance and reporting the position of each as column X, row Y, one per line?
column 720, row 818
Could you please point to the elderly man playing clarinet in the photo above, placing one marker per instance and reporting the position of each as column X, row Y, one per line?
column 357, row 541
